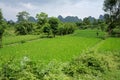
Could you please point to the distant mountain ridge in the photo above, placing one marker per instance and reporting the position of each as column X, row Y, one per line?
column 76, row 19
column 66, row 19
column 69, row 19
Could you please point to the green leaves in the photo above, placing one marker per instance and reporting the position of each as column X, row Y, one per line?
column 54, row 22
column 42, row 18
column 112, row 7
column 23, row 16
column 24, row 28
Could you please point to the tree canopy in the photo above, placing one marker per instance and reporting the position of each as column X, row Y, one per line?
column 112, row 8
column 42, row 18
column 1, row 27
column 53, row 21
column 22, row 16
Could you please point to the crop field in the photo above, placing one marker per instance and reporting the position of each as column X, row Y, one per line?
column 60, row 48
column 16, row 39
column 110, row 44
column 64, row 49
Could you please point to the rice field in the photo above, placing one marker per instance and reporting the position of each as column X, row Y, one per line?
column 61, row 48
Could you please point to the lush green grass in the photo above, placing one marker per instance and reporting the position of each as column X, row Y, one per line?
column 110, row 44
column 64, row 48
column 60, row 48
column 89, row 33
column 16, row 39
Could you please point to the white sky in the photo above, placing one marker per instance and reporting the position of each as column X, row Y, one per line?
column 80, row 8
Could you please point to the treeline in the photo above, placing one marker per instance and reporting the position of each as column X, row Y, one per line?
column 49, row 26
column 53, row 26
column 44, row 24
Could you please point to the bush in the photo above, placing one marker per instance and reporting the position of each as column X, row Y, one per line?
column 87, row 66
column 116, row 32
column 24, row 28
column 67, row 28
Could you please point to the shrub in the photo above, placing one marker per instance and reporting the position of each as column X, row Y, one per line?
column 90, row 65
column 67, row 28
column 24, row 28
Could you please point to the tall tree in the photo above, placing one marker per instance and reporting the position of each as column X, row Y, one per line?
column 112, row 7
column 46, row 29
column 86, row 21
column 54, row 24
column 22, row 16
column 24, row 26
column 1, row 28
column 41, row 18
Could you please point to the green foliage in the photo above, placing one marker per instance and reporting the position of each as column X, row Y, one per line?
column 86, row 21
column 112, row 7
column 116, row 32
column 91, row 66
column 22, row 16
column 61, row 30
column 24, row 28
column 42, row 18
column 69, row 28
column 66, row 28
column 46, row 29
column 87, row 66
column 101, row 65
column 54, row 22
column 1, row 28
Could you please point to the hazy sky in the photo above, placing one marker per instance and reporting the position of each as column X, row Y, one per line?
column 80, row 8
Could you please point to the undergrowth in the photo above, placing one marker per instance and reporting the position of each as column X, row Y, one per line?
column 88, row 66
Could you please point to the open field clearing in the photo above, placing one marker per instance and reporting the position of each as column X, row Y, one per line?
column 17, row 39
column 60, row 48
column 68, row 49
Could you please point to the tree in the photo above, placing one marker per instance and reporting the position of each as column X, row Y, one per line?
column 46, row 29
column 112, row 7
column 22, row 16
column 86, row 21
column 24, row 28
column 1, row 28
column 66, row 28
column 54, row 25
column 41, row 19
column 69, row 28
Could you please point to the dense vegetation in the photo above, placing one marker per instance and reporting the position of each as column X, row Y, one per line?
column 52, row 49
